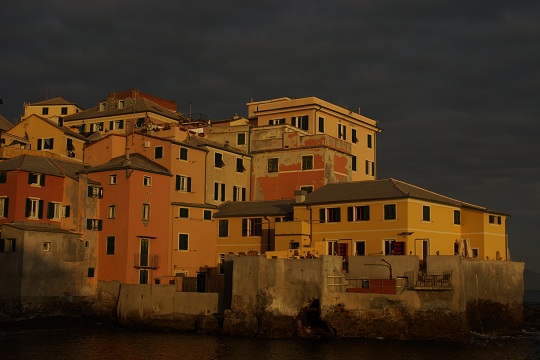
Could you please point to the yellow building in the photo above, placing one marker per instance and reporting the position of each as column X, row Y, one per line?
column 52, row 109
column 377, row 217
column 316, row 116
column 35, row 135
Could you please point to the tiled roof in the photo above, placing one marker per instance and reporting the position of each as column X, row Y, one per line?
column 43, row 165
column 136, row 162
column 54, row 101
column 64, row 129
column 5, row 124
column 377, row 190
column 141, row 105
column 255, row 208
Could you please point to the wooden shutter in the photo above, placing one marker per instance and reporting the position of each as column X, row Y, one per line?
column 89, row 224
column 244, row 227
column 28, row 207
column 6, row 207
column 350, row 213
column 100, row 225
column 322, row 215
column 234, row 193
column 40, row 144
column 42, row 180
column 243, row 194
column 67, row 210
column 188, row 184
column 52, row 143
column 177, row 186
column 50, row 210
column 2, row 242
column 40, row 209
column 222, row 192
column 216, row 190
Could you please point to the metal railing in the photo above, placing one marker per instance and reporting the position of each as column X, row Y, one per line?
column 433, row 280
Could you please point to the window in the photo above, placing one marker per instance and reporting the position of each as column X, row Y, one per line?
column 358, row 213
column 95, row 192
column 474, row 253
column 359, row 248
column 389, row 247
column 426, row 213
column 116, row 125
column 369, row 141
column 493, row 219
column 34, row 208
column 390, row 212
column 276, row 121
column 241, row 139
column 143, row 276
column 183, row 242
column 218, row 160
column 4, row 205
column 331, row 248
column 63, row 110
column 221, row 263
column 112, row 179
column 370, row 168
column 184, row 213
column 183, row 183
column 353, row 163
column 342, row 132
column 147, row 181
column 353, row 135
column 140, row 122
column 111, row 214
column 121, row 104
column 207, row 214
column 321, row 124
column 45, row 111
column 36, row 179
column 252, row 227
column 146, row 212
column 219, row 191
column 308, row 188
column 82, row 129
column 102, row 106
column 7, row 245
column 240, row 165
column 45, row 144
column 66, row 211
column 239, row 193
column 70, row 148
column 94, row 224
column 47, row 246
column 223, row 228
column 457, row 217
column 54, row 210
column 300, row 122
column 294, row 245
column 330, row 215
column 111, row 245
column 158, row 152
column 3, row 177
column 183, row 153
column 273, row 165
column 96, row 127
column 91, row 272
column 307, row 162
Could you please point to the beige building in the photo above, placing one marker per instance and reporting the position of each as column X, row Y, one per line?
column 52, row 109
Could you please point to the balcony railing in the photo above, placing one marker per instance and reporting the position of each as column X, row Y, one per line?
column 146, row 261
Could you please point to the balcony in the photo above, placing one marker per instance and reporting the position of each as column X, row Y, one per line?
column 146, row 261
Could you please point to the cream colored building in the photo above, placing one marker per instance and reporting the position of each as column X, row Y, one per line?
column 52, row 109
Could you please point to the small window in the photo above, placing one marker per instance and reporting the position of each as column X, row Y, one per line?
column 301, row 122
column 360, row 248
column 241, row 139
column 183, row 183
column 47, row 246
column 95, row 192
column 353, row 135
column 239, row 193
column 94, row 224
column 183, row 153
column 218, row 160
column 223, row 228
column 45, row 144
column 294, row 245
column 308, row 189
column 207, row 215
column 358, row 213
column 390, row 212
column 369, row 141
column 116, row 125
column 3, row 177
column 54, row 211
column 121, row 104
column 34, row 208
column 36, row 179
column 342, row 132
column 7, row 245
column 307, row 162
column 321, row 124
column 184, row 213
column 91, row 272
column 147, row 181
column 252, row 227
column 494, row 219
column 219, row 191
column 240, row 165
column 273, row 165
column 111, row 245
column 146, row 212
column 63, row 110
column 183, row 242
column 4, row 206
column 112, row 179
column 426, row 213
column 457, row 217
column 45, row 111
column 158, row 152
column 111, row 214
column 353, row 163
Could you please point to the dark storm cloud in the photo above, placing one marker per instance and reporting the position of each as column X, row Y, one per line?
column 454, row 84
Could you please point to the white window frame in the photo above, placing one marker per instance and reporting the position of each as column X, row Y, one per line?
column 146, row 212
column 34, row 208
column 112, row 179
column 47, row 246
column 46, row 143
column 2, row 206
column 342, row 132
column 57, row 215
column 311, row 162
column 111, row 212
column 331, row 247
column 147, row 180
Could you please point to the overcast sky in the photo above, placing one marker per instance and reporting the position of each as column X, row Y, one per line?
column 454, row 84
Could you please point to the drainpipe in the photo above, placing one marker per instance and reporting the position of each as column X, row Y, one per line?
column 267, row 234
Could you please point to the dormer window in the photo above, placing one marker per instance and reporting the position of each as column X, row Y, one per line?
column 102, row 106
column 121, row 104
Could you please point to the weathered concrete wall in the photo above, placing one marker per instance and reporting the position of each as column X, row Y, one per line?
column 287, row 297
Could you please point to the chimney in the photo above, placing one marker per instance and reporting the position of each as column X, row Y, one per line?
column 300, row 196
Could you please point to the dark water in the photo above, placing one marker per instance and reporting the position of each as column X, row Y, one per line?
column 82, row 340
